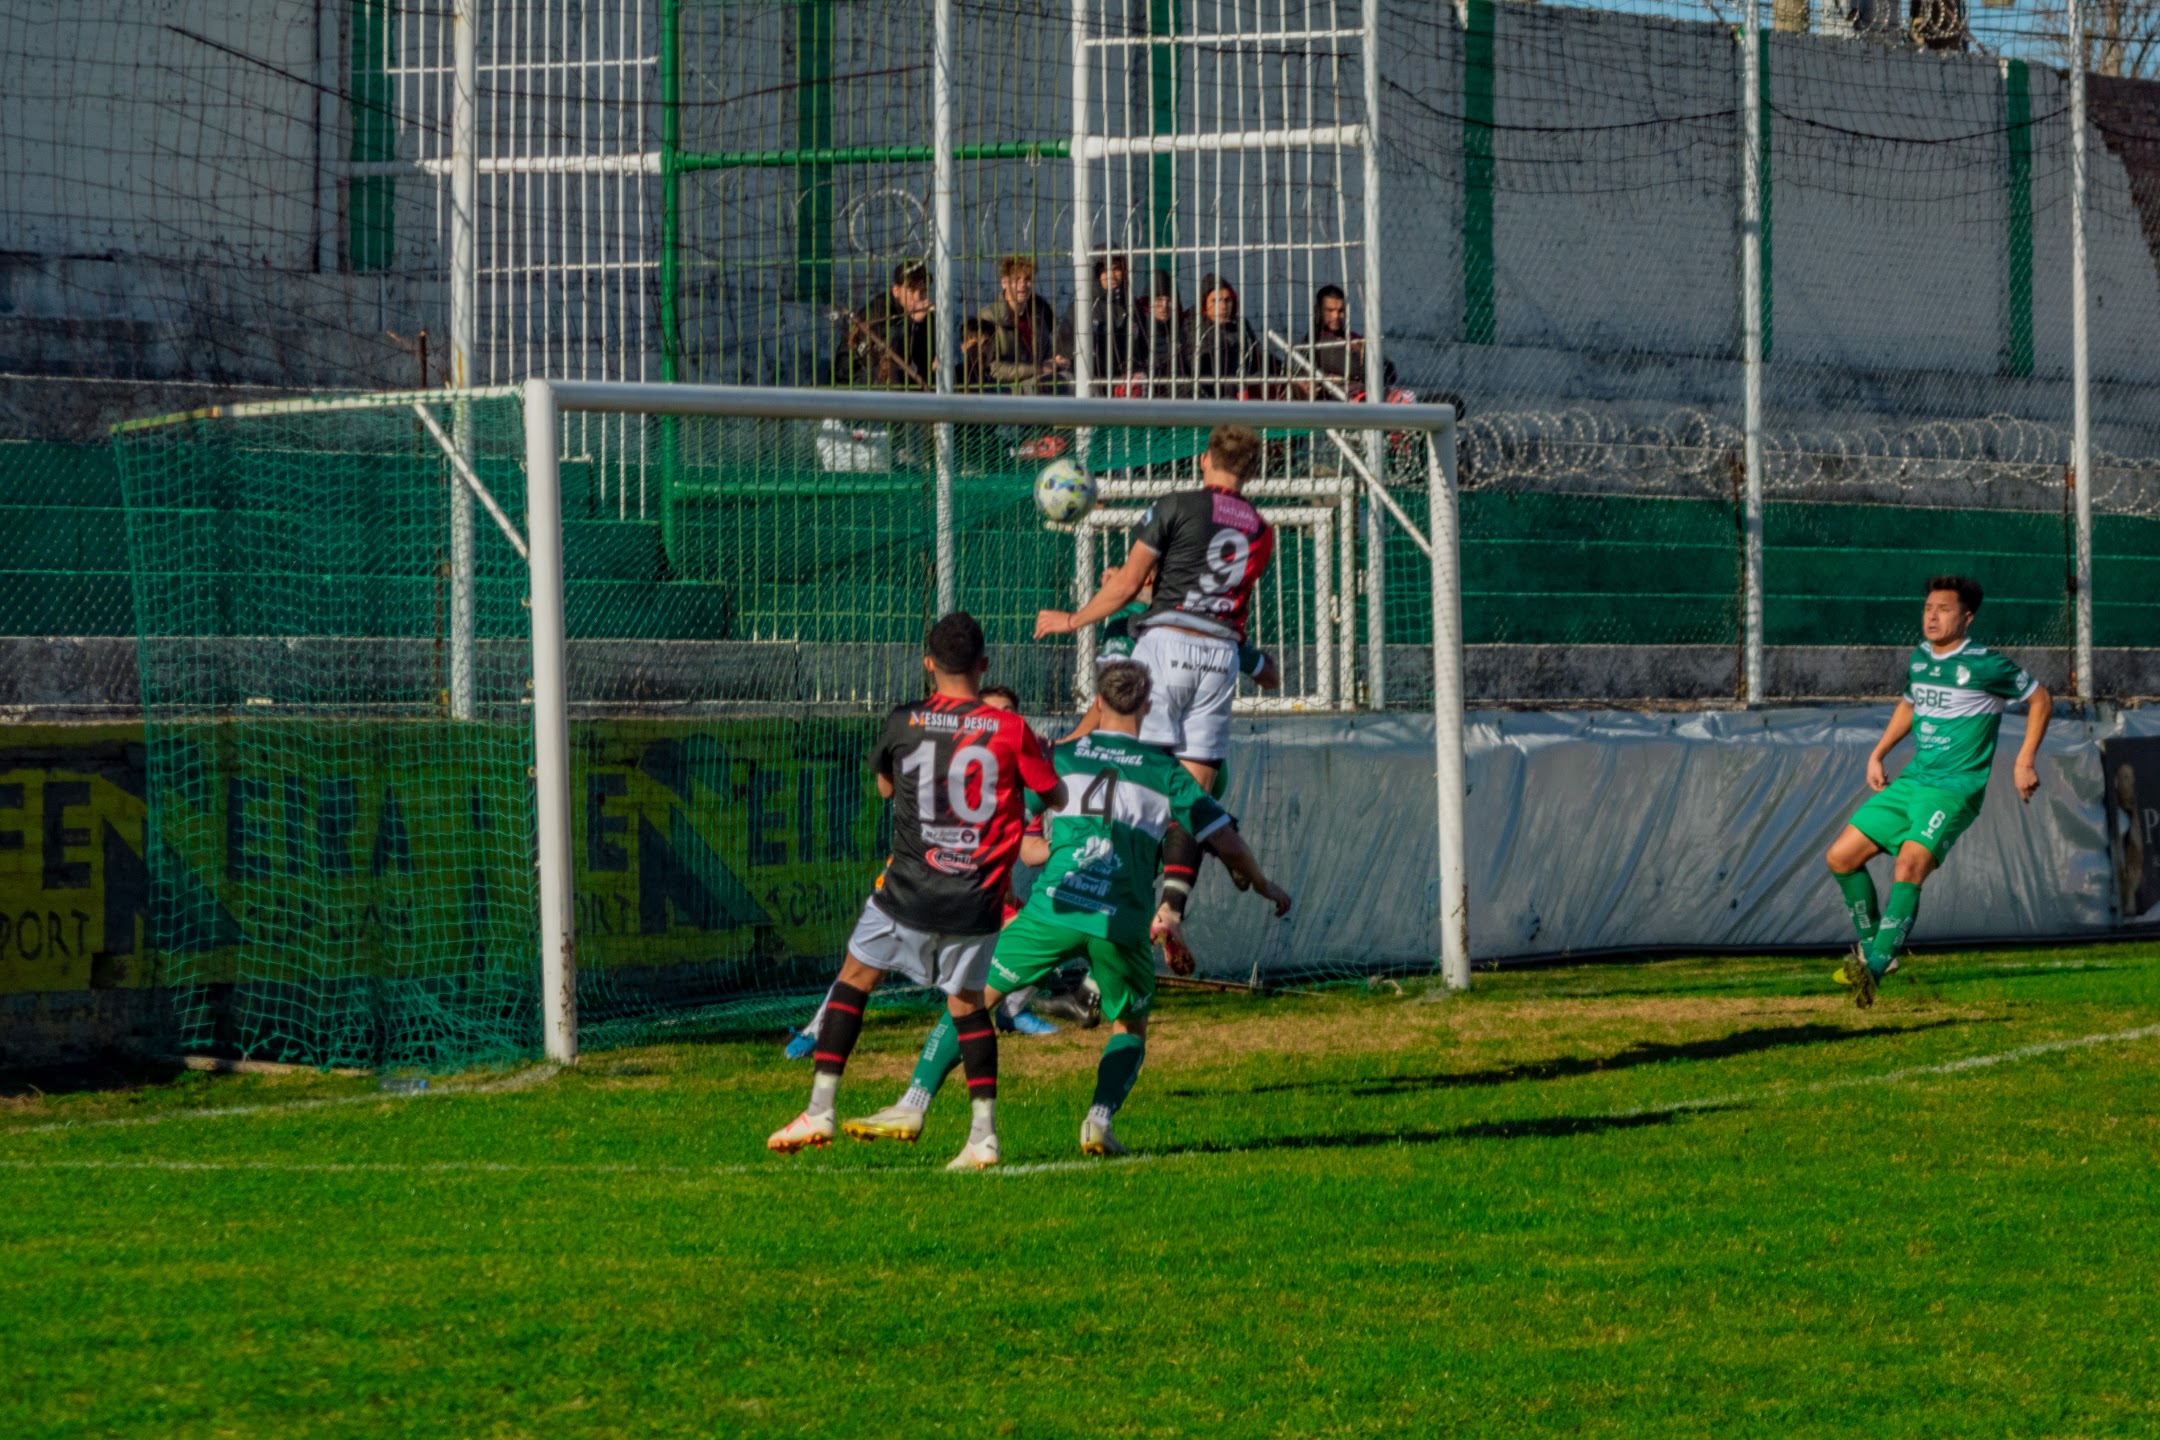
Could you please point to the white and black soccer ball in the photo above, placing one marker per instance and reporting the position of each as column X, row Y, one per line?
column 1064, row 492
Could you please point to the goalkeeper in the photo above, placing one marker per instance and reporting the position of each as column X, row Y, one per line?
column 1955, row 695
column 1093, row 901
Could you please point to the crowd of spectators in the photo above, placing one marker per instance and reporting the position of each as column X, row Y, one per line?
column 1144, row 341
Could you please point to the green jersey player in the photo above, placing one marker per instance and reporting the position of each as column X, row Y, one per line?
column 1955, row 695
column 1095, row 900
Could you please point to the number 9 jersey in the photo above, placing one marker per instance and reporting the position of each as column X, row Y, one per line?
column 959, row 770
column 1213, row 547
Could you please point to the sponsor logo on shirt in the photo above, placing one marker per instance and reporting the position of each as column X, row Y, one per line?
column 1234, row 510
column 1918, row 666
column 1097, row 857
column 960, row 837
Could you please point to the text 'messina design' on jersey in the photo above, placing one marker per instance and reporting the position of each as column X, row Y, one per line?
column 959, row 770
column 1212, row 548
column 1958, row 701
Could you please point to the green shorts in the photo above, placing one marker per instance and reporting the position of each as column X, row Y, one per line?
column 1033, row 946
column 1906, row 810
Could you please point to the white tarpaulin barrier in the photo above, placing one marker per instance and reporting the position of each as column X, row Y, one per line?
column 1600, row 831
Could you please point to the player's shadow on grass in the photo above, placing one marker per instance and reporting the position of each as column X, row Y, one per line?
column 1550, row 1127
column 1642, row 1052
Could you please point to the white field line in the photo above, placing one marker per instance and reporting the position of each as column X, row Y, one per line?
column 1892, row 1077
column 1048, row 1167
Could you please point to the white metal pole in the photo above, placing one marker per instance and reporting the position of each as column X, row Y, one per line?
column 464, row 332
column 328, row 159
column 946, row 291
column 551, row 726
column 1375, row 377
column 2081, row 476
column 1751, row 289
column 1083, row 305
column 1449, row 773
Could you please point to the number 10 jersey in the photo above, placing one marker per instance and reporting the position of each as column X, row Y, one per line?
column 959, row 769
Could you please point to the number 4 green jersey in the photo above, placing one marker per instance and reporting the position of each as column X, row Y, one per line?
column 1958, row 701
column 1106, row 843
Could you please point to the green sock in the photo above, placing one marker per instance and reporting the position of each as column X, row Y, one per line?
column 1896, row 923
column 1859, row 891
column 940, row 1054
column 1119, row 1068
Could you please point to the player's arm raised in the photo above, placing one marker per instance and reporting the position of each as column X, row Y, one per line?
column 1899, row 727
column 1116, row 592
column 2026, row 773
column 1239, row 860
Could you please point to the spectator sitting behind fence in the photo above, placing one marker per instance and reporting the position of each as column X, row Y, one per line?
column 1163, row 342
column 1335, row 350
column 1023, row 355
column 1226, row 357
column 978, row 348
column 887, row 342
column 1110, row 321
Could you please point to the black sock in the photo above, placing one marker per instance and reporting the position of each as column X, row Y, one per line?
column 843, row 1026
column 978, row 1053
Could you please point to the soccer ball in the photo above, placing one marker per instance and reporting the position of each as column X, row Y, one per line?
column 1064, row 492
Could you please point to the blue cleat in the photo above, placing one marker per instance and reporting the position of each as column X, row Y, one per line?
column 800, row 1044
column 1027, row 1022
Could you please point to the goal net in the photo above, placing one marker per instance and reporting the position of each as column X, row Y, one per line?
column 380, row 832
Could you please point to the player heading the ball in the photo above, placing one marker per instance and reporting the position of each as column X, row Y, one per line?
column 1207, row 549
column 955, row 770
column 1957, row 692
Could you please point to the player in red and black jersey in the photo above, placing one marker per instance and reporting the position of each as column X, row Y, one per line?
column 956, row 771
column 1208, row 549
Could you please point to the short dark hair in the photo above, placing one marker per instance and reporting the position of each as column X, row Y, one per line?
column 1236, row 449
column 1001, row 692
column 1330, row 292
column 1968, row 590
column 955, row 643
column 976, row 330
column 1124, row 686
column 911, row 275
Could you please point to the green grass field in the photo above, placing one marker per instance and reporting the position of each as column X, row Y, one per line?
column 1674, row 1199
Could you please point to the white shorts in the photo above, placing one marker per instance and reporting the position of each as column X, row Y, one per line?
column 951, row 963
column 1195, row 679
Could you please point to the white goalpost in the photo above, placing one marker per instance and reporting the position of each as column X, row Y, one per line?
column 548, row 402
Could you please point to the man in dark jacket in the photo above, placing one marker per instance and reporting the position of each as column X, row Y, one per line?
column 1110, row 319
column 1022, row 355
column 1227, row 361
column 1163, row 339
column 887, row 342
column 1334, row 349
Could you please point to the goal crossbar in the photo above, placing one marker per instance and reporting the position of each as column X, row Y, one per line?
column 546, row 401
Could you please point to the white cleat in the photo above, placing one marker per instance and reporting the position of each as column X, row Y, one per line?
column 977, row 1155
column 894, row 1122
column 1096, row 1139
column 804, row 1132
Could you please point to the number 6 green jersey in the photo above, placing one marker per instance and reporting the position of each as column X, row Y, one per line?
column 1106, row 843
column 1958, row 701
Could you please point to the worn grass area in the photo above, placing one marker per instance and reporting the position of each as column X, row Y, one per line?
column 1678, row 1199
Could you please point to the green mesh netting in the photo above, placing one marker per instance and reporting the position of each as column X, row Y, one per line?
column 343, row 871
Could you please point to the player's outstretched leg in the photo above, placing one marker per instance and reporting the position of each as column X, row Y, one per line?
column 837, row 1035
column 1115, row 1075
column 903, row 1119
column 977, row 1037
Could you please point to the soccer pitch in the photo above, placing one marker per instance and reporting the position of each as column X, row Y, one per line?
column 1696, row 1197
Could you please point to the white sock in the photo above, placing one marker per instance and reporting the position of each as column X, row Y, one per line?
column 1017, row 1001
column 824, row 1089
column 1098, row 1115
column 984, row 1124
column 916, row 1098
